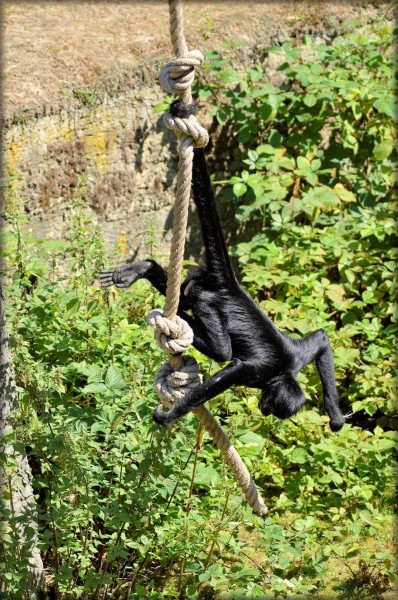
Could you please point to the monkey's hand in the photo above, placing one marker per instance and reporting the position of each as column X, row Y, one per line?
column 337, row 423
column 161, row 417
column 123, row 277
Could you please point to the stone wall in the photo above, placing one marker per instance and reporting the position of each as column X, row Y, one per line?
column 112, row 136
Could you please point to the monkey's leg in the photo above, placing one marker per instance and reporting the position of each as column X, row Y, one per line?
column 325, row 366
column 214, row 386
column 210, row 333
column 317, row 347
column 210, row 337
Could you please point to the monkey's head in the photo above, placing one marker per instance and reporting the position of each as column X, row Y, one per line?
column 282, row 396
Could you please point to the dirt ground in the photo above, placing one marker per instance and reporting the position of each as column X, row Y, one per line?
column 51, row 46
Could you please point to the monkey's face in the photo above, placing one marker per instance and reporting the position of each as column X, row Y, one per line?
column 282, row 396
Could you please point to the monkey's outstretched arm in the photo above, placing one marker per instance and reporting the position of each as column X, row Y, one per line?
column 125, row 276
column 217, row 384
column 210, row 335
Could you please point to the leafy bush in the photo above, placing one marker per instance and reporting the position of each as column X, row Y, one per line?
column 128, row 510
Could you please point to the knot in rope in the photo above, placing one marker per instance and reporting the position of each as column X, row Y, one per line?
column 173, row 335
column 189, row 126
column 179, row 74
column 175, row 78
column 172, row 385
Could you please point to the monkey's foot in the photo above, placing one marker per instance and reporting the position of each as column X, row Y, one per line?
column 162, row 418
column 123, row 277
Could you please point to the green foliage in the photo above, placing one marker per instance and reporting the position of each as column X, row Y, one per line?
column 117, row 517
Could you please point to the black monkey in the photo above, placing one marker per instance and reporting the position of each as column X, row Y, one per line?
column 229, row 326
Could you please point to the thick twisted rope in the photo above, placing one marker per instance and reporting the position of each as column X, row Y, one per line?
column 180, row 374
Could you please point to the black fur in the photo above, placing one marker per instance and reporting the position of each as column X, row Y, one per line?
column 229, row 326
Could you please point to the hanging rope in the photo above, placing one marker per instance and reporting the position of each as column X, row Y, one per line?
column 180, row 373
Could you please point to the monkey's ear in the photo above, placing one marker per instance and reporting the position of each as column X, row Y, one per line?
column 282, row 396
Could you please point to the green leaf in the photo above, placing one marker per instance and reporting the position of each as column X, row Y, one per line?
column 365, row 516
column 312, row 178
column 252, row 155
column 274, row 101
column 383, row 150
column 114, row 379
column 387, row 104
column 283, row 562
column 344, row 194
column 275, row 139
column 310, row 100
column 299, row 455
column 239, row 189
column 266, row 149
column 265, row 111
column 336, row 293
column 222, row 117
column 357, row 110
column 287, row 163
column 303, row 164
column 206, row 475
column 94, row 388
column 72, row 308
column 99, row 426
column 141, row 591
column 368, row 297
column 339, row 550
column 245, row 133
column 324, row 198
column 251, row 439
column 162, row 107
column 229, row 75
column 255, row 74
column 304, row 117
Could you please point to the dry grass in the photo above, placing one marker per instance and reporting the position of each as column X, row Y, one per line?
column 53, row 45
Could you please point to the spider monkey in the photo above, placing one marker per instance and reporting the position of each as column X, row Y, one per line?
column 229, row 326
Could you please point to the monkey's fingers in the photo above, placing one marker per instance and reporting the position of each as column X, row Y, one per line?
column 106, row 274
column 122, row 277
column 106, row 283
column 106, row 278
column 125, row 277
column 123, row 284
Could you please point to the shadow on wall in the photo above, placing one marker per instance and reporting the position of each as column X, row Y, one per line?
column 128, row 158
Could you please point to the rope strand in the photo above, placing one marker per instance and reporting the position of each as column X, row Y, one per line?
column 180, row 373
